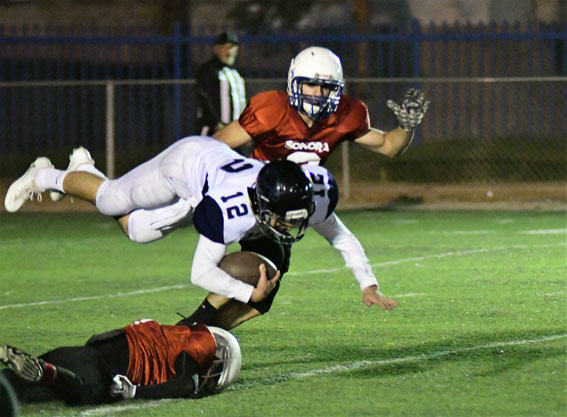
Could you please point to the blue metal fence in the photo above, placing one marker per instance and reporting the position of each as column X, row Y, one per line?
column 54, row 91
column 491, row 128
column 458, row 50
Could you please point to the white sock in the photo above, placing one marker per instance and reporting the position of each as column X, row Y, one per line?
column 50, row 179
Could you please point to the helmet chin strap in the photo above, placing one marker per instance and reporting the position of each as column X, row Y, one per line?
column 282, row 237
column 311, row 110
column 314, row 111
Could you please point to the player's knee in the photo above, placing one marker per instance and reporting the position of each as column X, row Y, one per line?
column 109, row 201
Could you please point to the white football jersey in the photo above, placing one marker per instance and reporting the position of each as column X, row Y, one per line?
column 325, row 193
column 225, row 215
column 197, row 164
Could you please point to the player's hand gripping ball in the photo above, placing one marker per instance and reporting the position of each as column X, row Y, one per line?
column 244, row 266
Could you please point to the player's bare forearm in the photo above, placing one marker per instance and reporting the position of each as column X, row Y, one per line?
column 390, row 143
column 395, row 142
column 371, row 296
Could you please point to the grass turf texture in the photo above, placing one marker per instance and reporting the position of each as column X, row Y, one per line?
column 481, row 329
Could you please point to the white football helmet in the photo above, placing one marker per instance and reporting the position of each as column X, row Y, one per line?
column 320, row 66
column 226, row 365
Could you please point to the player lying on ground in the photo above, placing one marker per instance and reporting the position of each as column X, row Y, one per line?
column 142, row 360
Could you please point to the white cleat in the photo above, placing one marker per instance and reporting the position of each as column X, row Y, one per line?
column 25, row 188
column 79, row 156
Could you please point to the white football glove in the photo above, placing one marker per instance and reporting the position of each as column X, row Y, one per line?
column 413, row 109
column 122, row 388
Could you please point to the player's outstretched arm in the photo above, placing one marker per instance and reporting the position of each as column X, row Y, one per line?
column 371, row 296
column 183, row 385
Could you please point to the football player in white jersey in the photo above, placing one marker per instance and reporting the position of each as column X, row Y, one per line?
column 326, row 223
column 199, row 181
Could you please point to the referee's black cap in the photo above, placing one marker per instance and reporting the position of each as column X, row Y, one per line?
column 226, row 37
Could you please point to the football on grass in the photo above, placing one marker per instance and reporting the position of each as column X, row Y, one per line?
column 244, row 266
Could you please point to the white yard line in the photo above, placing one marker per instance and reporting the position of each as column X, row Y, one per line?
column 294, row 376
column 313, row 272
column 545, row 232
column 436, row 256
column 97, row 297
column 552, row 294
column 364, row 364
column 411, row 294
column 467, row 232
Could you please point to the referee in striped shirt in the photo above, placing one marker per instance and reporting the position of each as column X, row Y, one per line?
column 221, row 93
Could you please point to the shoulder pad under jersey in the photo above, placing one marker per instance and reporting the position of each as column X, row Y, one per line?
column 325, row 192
column 224, row 215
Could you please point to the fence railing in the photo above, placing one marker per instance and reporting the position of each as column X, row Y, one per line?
column 459, row 50
column 477, row 129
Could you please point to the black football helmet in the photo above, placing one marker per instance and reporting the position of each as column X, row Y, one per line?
column 283, row 201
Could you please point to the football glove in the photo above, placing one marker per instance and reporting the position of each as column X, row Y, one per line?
column 412, row 110
column 122, row 388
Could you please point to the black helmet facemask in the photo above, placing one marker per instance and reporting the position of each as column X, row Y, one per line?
column 284, row 201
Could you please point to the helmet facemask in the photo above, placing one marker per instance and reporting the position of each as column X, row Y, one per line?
column 226, row 364
column 286, row 229
column 315, row 107
column 315, row 66
column 282, row 201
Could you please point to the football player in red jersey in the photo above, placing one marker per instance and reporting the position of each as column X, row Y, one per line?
column 308, row 122
column 305, row 125
column 142, row 360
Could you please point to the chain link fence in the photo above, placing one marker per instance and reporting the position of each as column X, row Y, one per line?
column 491, row 131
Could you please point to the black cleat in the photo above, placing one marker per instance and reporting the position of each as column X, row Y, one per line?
column 23, row 364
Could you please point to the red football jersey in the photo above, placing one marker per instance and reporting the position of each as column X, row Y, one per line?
column 155, row 347
column 279, row 132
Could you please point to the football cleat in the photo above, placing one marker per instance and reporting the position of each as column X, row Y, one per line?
column 78, row 157
column 25, row 188
column 23, row 364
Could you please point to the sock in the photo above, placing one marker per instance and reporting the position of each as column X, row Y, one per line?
column 65, row 377
column 50, row 179
column 49, row 373
column 205, row 314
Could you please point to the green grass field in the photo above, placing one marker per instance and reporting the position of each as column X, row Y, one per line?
column 481, row 329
